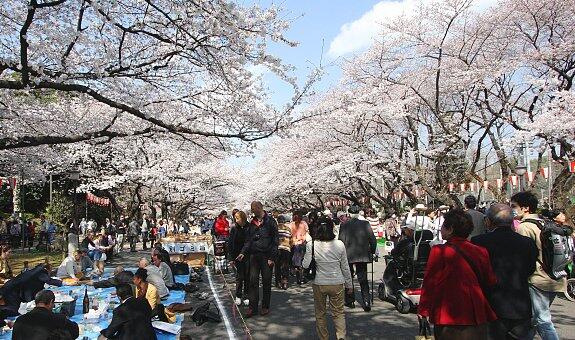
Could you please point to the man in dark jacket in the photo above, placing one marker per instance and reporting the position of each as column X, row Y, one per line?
column 262, row 246
column 133, row 231
column 360, row 245
column 131, row 319
column 513, row 258
column 24, row 287
column 43, row 324
column 476, row 216
column 121, row 276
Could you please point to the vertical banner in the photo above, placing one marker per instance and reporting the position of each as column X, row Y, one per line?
column 499, row 183
column 514, row 180
column 485, row 185
column 12, row 182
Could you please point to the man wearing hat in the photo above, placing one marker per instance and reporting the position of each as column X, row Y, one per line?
column 360, row 245
column 410, row 234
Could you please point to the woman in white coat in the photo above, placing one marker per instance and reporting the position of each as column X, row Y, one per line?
column 332, row 276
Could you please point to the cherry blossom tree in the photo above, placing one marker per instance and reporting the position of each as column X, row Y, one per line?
column 442, row 93
column 138, row 94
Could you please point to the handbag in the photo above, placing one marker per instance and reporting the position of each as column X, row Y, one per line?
column 310, row 271
column 424, row 330
column 203, row 314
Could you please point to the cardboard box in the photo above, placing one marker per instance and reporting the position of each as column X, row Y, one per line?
column 193, row 259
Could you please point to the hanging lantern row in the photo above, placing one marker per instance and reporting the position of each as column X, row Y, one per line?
column 337, row 202
column 513, row 179
column 472, row 186
column 101, row 201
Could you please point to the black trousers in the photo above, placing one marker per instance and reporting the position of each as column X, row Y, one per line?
column 145, row 240
column 361, row 272
column 259, row 265
column 243, row 278
column 460, row 332
column 509, row 329
column 133, row 240
column 282, row 266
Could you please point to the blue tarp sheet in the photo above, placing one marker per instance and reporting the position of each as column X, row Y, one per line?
column 91, row 328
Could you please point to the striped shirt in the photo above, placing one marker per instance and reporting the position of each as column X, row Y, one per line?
column 284, row 234
column 375, row 225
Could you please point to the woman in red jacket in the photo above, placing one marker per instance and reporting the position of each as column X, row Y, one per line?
column 222, row 226
column 452, row 296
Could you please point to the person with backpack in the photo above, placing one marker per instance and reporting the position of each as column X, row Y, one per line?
column 513, row 258
column 542, row 287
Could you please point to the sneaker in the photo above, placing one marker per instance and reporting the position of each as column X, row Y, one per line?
column 246, row 302
column 238, row 301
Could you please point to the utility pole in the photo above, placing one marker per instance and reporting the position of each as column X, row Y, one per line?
column 550, row 177
column 50, row 189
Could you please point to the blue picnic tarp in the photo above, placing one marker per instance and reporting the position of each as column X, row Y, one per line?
column 91, row 328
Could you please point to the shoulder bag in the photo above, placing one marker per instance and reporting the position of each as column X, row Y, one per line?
column 310, row 271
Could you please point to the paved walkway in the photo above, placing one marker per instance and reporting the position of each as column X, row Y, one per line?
column 292, row 315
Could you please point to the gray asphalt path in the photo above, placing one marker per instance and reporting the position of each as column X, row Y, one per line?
column 292, row 314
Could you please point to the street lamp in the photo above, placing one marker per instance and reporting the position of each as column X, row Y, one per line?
column 520, row 171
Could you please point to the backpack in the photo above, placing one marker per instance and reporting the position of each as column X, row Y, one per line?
column 557, row 247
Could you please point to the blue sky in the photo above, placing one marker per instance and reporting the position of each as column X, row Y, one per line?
column 312, row 23
column 344, row 27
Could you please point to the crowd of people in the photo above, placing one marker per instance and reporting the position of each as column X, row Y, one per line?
column 141, row 294
column 484, row 279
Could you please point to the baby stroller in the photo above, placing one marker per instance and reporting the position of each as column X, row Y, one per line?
column 403, row 276
column 220, row 260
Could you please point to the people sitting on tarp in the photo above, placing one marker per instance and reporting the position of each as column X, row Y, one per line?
column 145, row 289
column 86, row 264
column 131, row 319
column 25, row 286
column 164, row 255
column 121, row 276
column 41, row 323
column 88, row 244
column 70, row 268
column 165, row 270
column 154, row 276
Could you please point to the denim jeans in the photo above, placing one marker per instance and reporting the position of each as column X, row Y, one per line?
column 542, row 301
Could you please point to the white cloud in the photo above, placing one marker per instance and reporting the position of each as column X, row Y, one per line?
column 357, row 35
